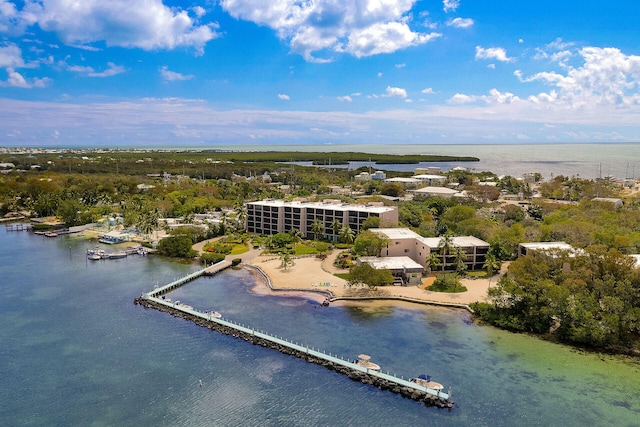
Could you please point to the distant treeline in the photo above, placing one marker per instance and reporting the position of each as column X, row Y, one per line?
column 337, row 157
column 206, row 164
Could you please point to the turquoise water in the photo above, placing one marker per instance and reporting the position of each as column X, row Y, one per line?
column 76, row 351
column 586, row 160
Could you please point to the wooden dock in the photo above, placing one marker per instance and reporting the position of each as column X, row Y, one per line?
column 384, row 381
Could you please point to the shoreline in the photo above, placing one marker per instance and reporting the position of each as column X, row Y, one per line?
column 315, row 281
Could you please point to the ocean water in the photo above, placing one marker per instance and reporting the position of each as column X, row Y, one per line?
column 584, row 160
column 76, row 351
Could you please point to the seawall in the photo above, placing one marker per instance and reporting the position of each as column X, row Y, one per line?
column 375, row 379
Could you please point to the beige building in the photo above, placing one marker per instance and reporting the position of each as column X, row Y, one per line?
column 404, row 242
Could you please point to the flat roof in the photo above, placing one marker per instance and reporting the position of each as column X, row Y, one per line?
column 403, row 180
column 336, row 206
column 436, row 190
column 391, row 263
column 547, row 245
column 432, row 242
column 426, row 176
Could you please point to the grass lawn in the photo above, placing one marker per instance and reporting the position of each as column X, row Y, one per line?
column 447, row 283
column 239, row 249
column 302, row 249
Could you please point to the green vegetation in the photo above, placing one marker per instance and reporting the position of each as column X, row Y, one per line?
column 210, row 258
column 363, row 273
column 447, row 282
column 584, row 301
column 590, row 299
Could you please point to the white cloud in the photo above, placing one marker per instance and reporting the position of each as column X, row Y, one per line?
column 111, row 70
column 400, row 65
column 460, row 22
column 607, row 77
column 11, row 56
column 497, row 53
column 320, row 28
column 284, row 97
column 345, row 98
column 450, row 5
column 170, row 76
column 15, row 79
column 148, row 25
column 199, row 11
column 395, row 92
column 427, row 91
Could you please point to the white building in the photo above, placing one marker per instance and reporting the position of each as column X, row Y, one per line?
column 405, row 270
column 431, row 180
column 526, row 248
column 443, row 192
column 277, row 216
column 406, row 182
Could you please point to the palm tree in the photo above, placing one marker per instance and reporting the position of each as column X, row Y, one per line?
column 296, row 237
column 317, row 228
column 336, row 226
column 286, row 260
column 446, row 246
column 491, row 264
column 460, row 257
column 347, row 235
column 434, row 261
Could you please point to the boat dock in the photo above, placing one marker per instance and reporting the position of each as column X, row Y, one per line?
column 18, row 227
column 384, row 381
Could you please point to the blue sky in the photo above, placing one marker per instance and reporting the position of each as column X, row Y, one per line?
column 210, row 73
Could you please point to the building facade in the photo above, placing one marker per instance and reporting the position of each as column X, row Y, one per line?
column 404, row 242
column 280, row 216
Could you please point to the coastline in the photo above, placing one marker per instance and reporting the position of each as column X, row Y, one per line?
column 314, row 279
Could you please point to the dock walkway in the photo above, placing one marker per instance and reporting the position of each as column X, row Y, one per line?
column 384, row 381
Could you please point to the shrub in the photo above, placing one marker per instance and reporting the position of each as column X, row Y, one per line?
column 211, row 258
column 236, row 261
column 447, row 283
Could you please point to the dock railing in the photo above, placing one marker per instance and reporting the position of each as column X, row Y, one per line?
column 297, row 347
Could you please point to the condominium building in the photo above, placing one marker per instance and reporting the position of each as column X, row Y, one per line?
column 404, row 242
column 276, row 216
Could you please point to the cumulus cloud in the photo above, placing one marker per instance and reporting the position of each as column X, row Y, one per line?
column 497, row 53
column 170, row 76
column 345, row 98
column 607, row 77
column 148, row 25
column 284, row 97
column 317, row 29
column 395, row 92
column 450, row 5
column 11, row 56
column 427, row 91
column 460, row 22
column 15, row 79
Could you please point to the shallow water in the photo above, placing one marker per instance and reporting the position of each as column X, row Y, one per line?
column 76, row 351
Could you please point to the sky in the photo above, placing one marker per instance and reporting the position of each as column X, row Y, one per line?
column 210, row 73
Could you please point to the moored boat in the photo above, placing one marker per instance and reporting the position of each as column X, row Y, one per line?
column 116, row 255
column 425, row 381
column 364, row 360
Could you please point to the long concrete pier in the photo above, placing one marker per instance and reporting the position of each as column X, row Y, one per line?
column 384, row 381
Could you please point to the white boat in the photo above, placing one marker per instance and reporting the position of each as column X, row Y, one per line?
column 215, row 314
column 116, row 255
column 365, row 361
column 425, row 381
column 95, row 254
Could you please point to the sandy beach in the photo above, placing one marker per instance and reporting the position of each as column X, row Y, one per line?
column 314, row 278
